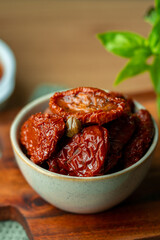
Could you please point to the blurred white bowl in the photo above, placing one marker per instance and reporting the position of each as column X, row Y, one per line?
column 7, row 82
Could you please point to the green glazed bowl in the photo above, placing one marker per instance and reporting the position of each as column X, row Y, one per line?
column 78, row 194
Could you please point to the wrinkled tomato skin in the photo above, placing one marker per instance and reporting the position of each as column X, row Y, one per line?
column 40, row 134
column 85, row 153
column 87, row 132
column 89, row 105
column 129, row 101
column 141, row 140
column 119, row 131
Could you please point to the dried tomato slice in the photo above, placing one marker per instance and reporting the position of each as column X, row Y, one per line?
column 141, row 140
column 84, row 154
column 129, row 100
column 39, row 134
column 89, row 105
column 120, row 131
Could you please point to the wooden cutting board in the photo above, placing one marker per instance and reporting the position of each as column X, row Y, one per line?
column 138, row 217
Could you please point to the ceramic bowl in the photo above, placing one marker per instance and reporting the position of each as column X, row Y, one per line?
column 7, row 82
column 78, row 194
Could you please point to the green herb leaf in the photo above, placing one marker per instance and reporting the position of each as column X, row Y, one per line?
column 151, row 16
column 157, row 6
column 154, row 38
column 155, row 73
column 123, row 44
column 138, row 49
column 143, row 52
column 135, row 66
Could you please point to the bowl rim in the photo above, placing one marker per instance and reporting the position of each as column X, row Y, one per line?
column 25, row 159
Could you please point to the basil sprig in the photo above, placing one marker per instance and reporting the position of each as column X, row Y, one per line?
column 137, row 50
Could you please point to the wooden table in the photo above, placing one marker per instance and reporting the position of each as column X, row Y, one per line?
column 55, row 42
column 138, row 217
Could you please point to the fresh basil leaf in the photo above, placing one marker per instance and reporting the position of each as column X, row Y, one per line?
column 151, row 16
column 155, row 73
column 122, row 43
column 134, row 67
column 154, row 38
column 157, row 6
column 143, row 52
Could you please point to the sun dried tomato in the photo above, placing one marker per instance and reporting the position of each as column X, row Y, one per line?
column 129, row 100
column 39, row 134
column 89, row 105
column 53, row 165
column 141, row 140
column 84, row 154
column 99, row 133
column 120, row 131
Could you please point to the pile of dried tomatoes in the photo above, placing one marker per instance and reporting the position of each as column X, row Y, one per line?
column 87, row 132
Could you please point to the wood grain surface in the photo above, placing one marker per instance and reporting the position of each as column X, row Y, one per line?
column 55, row 42
column 138, row 217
